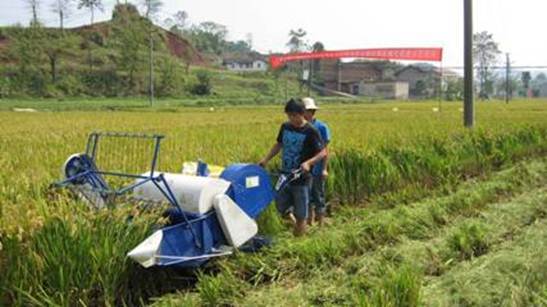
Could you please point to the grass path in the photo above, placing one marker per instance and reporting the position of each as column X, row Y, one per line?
column 499, row 225
column 514, row 273
column 364, row 251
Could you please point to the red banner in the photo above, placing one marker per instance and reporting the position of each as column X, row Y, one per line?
column 412, row 54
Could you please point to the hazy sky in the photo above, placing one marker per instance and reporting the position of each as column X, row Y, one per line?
column 350, row 24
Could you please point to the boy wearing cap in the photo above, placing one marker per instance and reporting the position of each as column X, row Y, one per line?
column 319, row 171
column 301, row 147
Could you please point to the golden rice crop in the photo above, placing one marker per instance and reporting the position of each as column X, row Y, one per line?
column 374, row 150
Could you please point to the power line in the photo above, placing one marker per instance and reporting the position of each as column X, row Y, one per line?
column 502, row 67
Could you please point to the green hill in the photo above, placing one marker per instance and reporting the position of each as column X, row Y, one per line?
column 111, row 59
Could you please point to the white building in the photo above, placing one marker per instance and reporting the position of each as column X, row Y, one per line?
column 387, row 90
column 245, row 64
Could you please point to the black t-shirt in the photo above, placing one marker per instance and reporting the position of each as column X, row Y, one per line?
column 299, row 145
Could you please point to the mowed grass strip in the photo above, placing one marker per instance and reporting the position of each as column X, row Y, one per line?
column 512, row 274
column 294, row 259
column 394, row 275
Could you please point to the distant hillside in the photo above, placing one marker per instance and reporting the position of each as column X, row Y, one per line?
column 111, row 59
column 176, row 45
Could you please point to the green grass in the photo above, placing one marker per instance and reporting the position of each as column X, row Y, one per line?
column 229, row 89
column 295, row 259
column 511, row 275
column 392, row 274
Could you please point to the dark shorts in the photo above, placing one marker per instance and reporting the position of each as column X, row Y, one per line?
column 317, row 195
column 295, row 198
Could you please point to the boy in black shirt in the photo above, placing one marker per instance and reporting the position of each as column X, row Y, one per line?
column 302, row 148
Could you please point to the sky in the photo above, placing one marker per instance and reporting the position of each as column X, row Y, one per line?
column 348, row 24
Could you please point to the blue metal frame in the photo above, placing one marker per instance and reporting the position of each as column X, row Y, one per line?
column 95, row 176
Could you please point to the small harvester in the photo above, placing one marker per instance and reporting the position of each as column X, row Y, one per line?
column 211, row 213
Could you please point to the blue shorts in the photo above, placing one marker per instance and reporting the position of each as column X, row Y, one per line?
column 317, row 195
column 295, row 197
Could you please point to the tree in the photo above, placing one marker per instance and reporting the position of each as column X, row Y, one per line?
column 178, row 23
column 454, row 89
column 152, row 9
column 504, row 85
column 420, row 88
column 485, row 54
column 203, row 86
column 296, row 40
column 239, row 46
column 181, row 19
column 170, row 79
column 526, row 77
column 55, row 45
column 209, row 37
column 61, row 7
column 249, row 40
column 539, row 84
column 91, row 5
column 541, row 77
column 34, row 5
column 316, row 64
column 318, row 47
column 129, row 37
column 26, row 48
column 296, row 44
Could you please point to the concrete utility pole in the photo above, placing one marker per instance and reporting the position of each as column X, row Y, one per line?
column 310, row 75
column 339, row 75
column 468, row 107
column 507, row 75
column 151, row 69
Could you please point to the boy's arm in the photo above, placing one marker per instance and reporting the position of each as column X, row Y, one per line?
column 327, row 154
column 306, row 166
column 276, row 148
column 325, row 172
column 273, row 152
column 319, row 146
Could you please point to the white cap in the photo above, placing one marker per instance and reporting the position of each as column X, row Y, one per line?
column 309, row 103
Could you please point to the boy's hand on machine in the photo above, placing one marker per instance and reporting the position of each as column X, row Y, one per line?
column 262, row 163
column 325, row 174
column 305, row 167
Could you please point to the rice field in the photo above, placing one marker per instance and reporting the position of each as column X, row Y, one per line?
column 424, row 212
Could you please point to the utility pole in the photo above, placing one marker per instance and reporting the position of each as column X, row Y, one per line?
column 286, row 88
column 339, row 75
column 310, row 75
column 507, row 74
column 440, row 87
column 468, row 107
column 151, row 68
column 152, row 7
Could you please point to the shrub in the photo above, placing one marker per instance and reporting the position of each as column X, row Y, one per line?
column 5, row 87
column 203, row 86
column 171, row 83
column 37, row 83
column 102, row 82
column 69, row 85
column 97, row 38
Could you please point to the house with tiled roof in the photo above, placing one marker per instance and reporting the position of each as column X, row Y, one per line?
column 245, row 62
